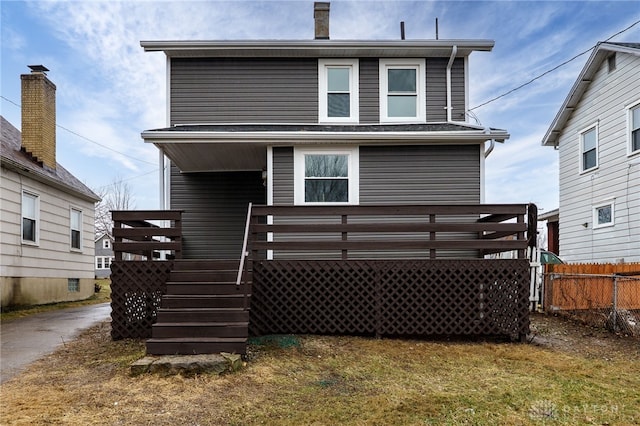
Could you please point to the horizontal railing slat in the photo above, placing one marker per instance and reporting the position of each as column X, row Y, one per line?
column 391, row 245
column 135, row 246
column 508, row 228
column 444, row 209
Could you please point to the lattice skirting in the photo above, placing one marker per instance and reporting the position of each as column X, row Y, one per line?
column 136, row 290
column 391, row 297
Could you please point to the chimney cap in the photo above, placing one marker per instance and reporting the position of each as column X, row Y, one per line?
column 38, row 68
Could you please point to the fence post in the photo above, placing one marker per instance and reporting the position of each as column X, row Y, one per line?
column 615, row 303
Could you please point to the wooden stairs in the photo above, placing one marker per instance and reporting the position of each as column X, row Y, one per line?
column 203, row 311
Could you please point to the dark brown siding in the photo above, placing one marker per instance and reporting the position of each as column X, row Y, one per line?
column 215, row 210
column 239, row 90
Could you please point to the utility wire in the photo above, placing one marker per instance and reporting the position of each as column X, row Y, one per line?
column 124, row 180
column 87, row 139
column 552, row 69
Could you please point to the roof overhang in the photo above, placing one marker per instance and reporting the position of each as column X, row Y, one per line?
column 601, row 51
column 207, row 150
column 317, row 48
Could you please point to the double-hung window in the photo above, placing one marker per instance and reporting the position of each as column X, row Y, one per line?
column 338, row 91
column 603, row 215
column 589, row 149
column 106, row 243
column 402, row 91
column 30, row 213
column 634, row 128
column 76, row 229
column 326, row 176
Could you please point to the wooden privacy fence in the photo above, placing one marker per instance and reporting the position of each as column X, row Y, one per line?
column 603, row 294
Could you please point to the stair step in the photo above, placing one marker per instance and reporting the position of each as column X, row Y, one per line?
column 178, row 315
column 183, row 264
column 204, row 301
column 191, row 346
column 218, row 275
column 205, row 288
column 200, row 329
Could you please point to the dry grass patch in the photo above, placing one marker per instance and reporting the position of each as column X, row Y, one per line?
column 331, row 380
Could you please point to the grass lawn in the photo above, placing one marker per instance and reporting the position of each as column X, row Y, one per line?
column 104, row 295
column 341, row 380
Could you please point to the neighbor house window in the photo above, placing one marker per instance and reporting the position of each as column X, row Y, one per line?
column 30, row 213
column 611, row 62
column 589, row 149
column 338, row 90
column 103, row 262
column 603, row 215
column 634, row 128
column 326, row 176
column 106, row 243
column 76, row 229
column 73, row 284
column 402, row 90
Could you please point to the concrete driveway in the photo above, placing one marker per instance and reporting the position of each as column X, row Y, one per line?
column 24, row 340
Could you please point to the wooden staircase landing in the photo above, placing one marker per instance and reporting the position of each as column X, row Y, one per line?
column 203, row 311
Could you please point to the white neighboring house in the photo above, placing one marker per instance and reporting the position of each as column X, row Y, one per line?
column 46, row 215
column 597, row 133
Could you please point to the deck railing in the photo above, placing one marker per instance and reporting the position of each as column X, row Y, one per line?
column 428, row 231
column 134, row 234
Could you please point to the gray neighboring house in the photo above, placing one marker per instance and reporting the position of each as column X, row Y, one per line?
column 597, row 135
column 47, row 214
column 315, row 122
column 104, row 256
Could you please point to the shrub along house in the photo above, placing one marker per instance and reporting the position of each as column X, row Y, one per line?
column 369, row 181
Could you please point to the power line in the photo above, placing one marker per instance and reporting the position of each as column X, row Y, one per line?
column 87, row 139
column 552, row 69
column 125, row 180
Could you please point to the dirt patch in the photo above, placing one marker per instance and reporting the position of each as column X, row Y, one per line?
column 575, row 337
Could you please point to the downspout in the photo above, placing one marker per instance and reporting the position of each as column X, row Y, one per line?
column 449, row 107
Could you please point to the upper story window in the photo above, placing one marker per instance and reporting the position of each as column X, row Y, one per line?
column 76, row 229
column 338, row 91
column 402, row 91
column 634, row 128
column 106, row 243
column 589, row 149
column 326, row 176
column 30, row 218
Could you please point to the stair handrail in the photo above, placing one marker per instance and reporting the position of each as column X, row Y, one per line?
column 245, row 254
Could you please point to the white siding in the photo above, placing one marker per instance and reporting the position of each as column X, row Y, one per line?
column 52, row 257
column 604, row 103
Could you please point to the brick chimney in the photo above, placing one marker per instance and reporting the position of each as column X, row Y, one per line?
column 39, row 116
column 321, row 17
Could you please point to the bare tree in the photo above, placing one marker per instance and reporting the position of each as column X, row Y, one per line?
column 116, row 196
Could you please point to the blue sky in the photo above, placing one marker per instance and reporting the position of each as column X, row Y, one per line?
column 109, row 90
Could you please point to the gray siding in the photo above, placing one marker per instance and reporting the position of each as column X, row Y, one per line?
column 437, row 89
column 369, row 91
column 283, row 176
column 215, row 210
column 255, row 90
column 419, row 174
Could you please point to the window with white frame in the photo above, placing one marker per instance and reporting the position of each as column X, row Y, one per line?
column 76, row 229
column 30, row 216
column 104, row 262
column 603, row 215
column 326, row 176
column 634, row 128
column 338, row 99
column 402, row 91
column 106, row 243
column 589, row 149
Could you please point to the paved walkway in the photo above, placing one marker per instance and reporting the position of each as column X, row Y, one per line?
column 24, row 340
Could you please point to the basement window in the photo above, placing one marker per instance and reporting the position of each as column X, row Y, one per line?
column 73, row 285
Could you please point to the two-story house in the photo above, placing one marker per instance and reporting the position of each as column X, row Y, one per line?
column 597, row 135
column 104, row 255
column 47, row 214
column 369, row 185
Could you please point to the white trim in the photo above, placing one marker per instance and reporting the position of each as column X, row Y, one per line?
column 353, row 172
column 36, row 198
column 595, row 208
column 630, row 109
column 421, row 80
column 353, row 65
column 581, row 134
column 80, row 224
column 482, row 172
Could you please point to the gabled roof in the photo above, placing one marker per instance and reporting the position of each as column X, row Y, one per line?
column 599, row 54
column 13, row 157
